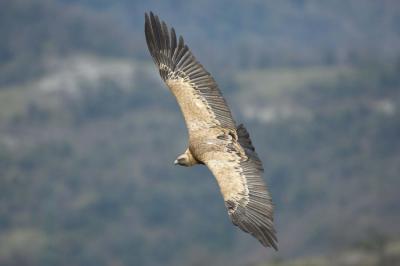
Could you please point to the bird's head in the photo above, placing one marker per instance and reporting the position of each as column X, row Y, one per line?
column 182, row 160
column 185, row 159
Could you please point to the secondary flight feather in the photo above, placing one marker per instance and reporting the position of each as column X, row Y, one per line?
column 214, row 138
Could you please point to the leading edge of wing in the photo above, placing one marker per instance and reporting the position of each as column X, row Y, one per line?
column 176, row 62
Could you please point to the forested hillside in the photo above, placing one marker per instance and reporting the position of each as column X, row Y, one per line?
column 88, row 132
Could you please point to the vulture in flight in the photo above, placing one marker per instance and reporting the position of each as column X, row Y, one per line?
column 214, row 138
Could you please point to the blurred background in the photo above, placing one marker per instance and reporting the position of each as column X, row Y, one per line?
column 89, row 133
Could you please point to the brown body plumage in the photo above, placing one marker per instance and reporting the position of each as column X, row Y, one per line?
column 214, row 139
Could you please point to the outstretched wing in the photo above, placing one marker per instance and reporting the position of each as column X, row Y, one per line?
column 195, row 89
column 246, row 196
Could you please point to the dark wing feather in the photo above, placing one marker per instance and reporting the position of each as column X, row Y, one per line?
column 245, row 141
column 244, row 138
column 246, row 196
column 176, row 63
column 255, row 216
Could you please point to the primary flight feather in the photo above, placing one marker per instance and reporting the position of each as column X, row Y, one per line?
column 214, row 138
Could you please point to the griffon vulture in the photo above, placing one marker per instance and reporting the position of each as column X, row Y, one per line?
column 214, row 138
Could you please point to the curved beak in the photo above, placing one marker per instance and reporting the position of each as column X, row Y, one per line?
column 176, row 162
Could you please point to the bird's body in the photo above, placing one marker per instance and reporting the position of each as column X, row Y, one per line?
column 214, row 138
